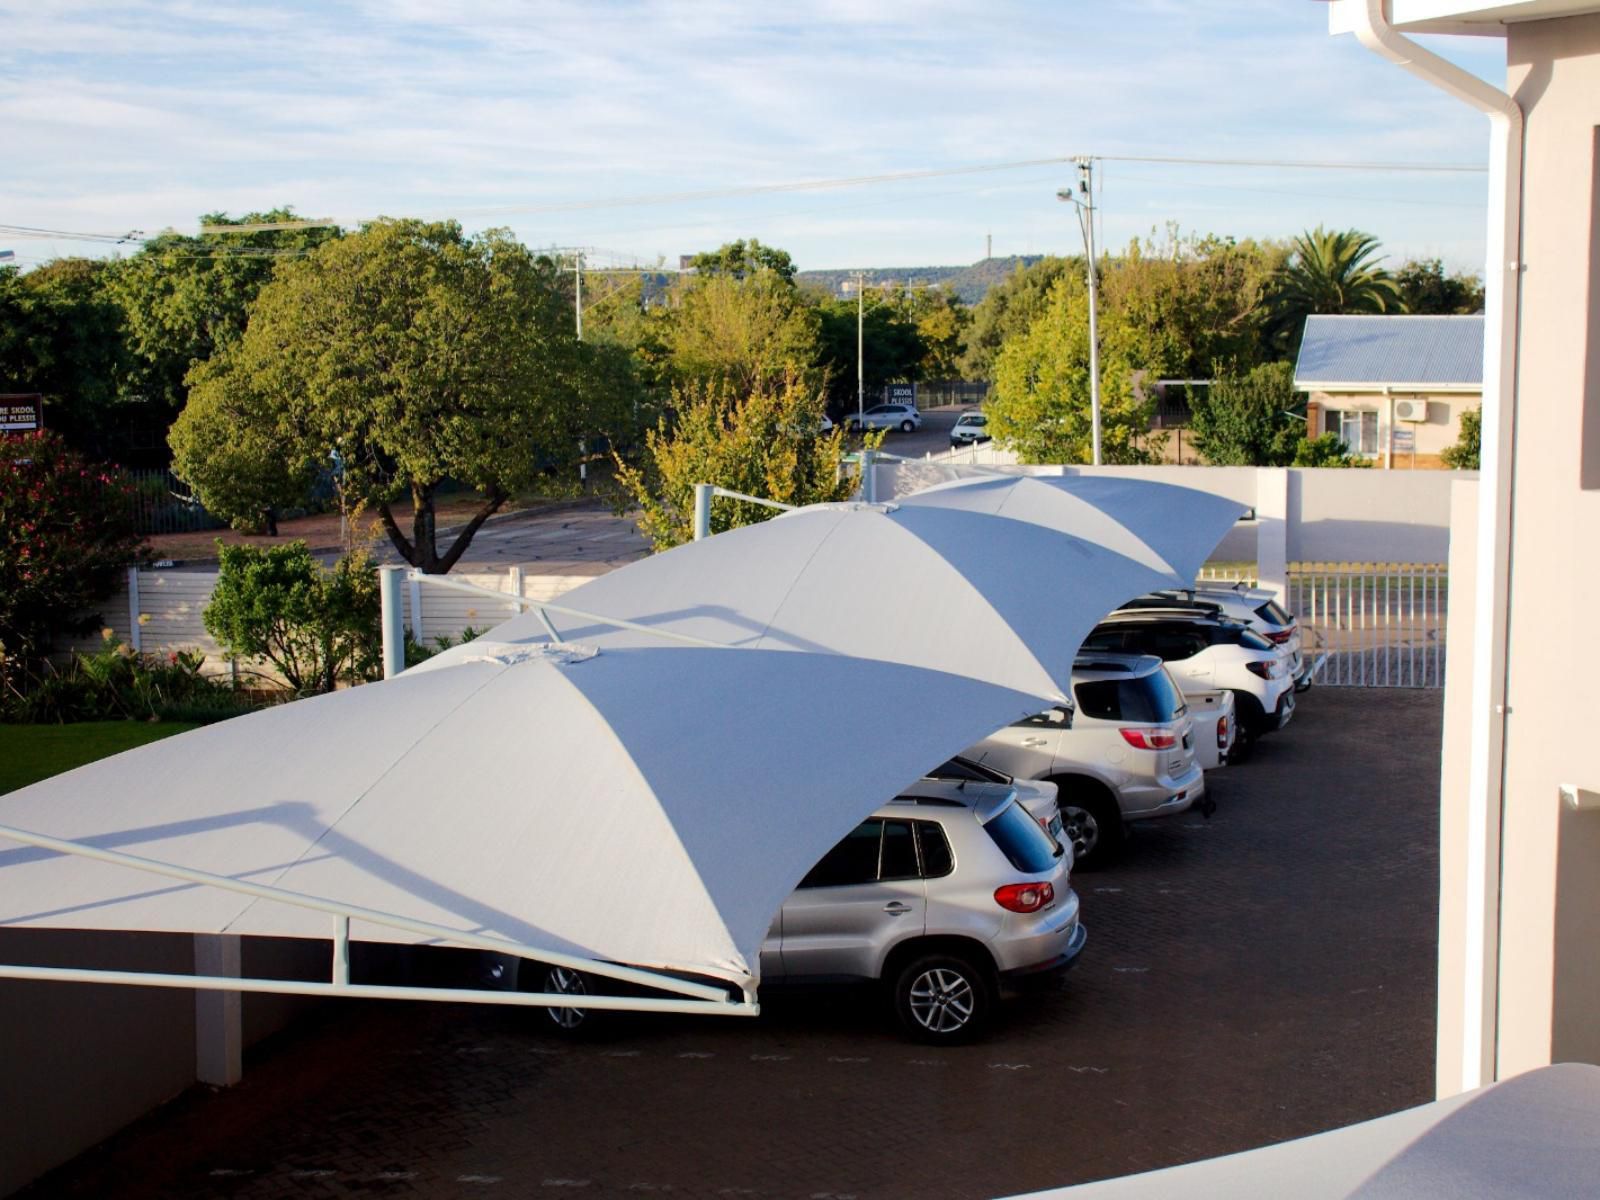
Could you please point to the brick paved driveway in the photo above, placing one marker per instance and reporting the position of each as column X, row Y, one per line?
column 1257, row 977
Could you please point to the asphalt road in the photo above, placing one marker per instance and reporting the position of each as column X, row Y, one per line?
column 1258, row 976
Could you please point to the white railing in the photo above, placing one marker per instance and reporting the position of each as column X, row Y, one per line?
column 1372, row 624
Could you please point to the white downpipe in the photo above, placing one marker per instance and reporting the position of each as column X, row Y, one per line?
column 1492, row 587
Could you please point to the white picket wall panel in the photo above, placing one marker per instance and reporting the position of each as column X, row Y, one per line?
column 168, row 614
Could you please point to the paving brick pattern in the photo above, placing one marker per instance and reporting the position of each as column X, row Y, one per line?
column 1255, row 977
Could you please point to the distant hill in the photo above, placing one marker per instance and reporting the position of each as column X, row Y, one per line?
column 969, row 283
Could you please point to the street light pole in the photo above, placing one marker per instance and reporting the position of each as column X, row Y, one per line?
column 861, row 308
column 1085, row 208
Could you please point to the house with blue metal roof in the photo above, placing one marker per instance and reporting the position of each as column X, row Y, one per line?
column 1392, row 387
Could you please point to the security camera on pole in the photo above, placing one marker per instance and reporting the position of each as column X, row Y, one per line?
column 1083, row 202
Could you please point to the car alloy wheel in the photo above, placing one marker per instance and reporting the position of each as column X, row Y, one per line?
column 563, row 981
column 1082, row 829
column 906, row 426
column 942, row 1001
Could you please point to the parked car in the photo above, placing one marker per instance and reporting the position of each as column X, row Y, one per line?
column 1038, row 797
column 827, row 424
column 969, row 429
column 1216, row 725
column 947, row 896
column 1123, row 752
column 1206, row 653
column 1259, row 609
column 903, row 417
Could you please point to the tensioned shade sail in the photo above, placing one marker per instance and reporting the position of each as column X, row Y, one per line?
column 970, row 593
column 1161, row 524
column 643, row 806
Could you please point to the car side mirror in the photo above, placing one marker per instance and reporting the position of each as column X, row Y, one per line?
column 1061, row 715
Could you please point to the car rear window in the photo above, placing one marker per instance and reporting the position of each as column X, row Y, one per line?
column 1026, row 847
column 1150, row 699
column 1251, row 640
column 1274, row 612
column 968, row 769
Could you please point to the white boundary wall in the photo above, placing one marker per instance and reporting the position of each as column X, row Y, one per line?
column 158, row 612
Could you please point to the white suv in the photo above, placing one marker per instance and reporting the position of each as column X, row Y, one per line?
column 903, row 417
column 1124, row 751
column 1207, row 653
column 1257, row 608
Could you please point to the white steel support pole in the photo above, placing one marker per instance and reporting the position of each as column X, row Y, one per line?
column 393, row 617
column 1492, row 585
column 702, row 510
column 341, row 950
column 869, row 476
column 218, row 1016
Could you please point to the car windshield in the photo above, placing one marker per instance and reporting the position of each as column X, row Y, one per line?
column 1150, row 699
column 1026, row 846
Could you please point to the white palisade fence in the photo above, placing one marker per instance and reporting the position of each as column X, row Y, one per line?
column 1371, row 624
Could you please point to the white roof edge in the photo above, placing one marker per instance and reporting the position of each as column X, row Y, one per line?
column 1472, row 18
column 1367, row 385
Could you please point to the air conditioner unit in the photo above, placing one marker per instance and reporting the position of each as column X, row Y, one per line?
column 1410, row 410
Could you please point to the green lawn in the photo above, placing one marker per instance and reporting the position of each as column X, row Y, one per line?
column 29, row 753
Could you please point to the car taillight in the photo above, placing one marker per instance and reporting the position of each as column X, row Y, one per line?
column 1265, row 670
column 1150, row 739
column 1282, row 636
column 1222, row 733
column 1024, row 897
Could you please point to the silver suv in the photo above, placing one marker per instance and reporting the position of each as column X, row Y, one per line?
column 946, row 895
column 1124, row 752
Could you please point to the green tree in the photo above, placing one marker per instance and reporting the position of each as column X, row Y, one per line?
column 1244, row 419
column 66, row 534
column 61, row 336
column 762, row 443
column 892, row 347
column 1040, row 403
column 409, row 354
column 184, row 297
column 1425, row 288
column 1330, row 271
column 1007, row 310
column 746, row 332
column 1464, row 455
column 318, row 627
column 742, row 259
column 942, row 321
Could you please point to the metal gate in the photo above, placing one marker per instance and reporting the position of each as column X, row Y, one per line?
column 1367, row 624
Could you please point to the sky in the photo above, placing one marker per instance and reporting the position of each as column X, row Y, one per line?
column 583, row 123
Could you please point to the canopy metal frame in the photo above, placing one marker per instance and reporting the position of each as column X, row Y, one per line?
column 687, row 995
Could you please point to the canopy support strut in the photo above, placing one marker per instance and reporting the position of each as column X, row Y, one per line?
column 688, row 995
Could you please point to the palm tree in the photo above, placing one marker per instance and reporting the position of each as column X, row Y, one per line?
column 1330, row 271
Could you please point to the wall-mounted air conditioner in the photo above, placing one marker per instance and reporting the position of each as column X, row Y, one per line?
column 1410, row 410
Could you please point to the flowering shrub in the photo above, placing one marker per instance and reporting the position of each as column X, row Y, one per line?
column 66, row 533
column 117, row 681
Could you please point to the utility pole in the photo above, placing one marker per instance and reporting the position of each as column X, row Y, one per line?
column 1083, row 201
column 577, row 302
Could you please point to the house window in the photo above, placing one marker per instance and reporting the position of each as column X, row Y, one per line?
column 1356, row 427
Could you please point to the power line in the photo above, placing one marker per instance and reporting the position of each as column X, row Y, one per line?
column 1297, row 164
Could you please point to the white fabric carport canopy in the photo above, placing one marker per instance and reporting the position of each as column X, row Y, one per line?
column 641, row 806
column 943, row 586
column 1533, row 1137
